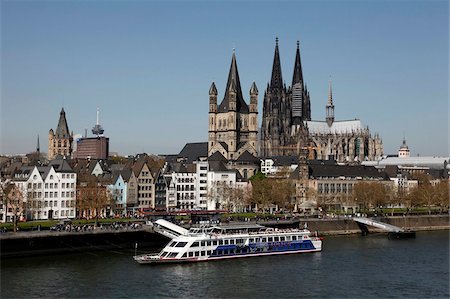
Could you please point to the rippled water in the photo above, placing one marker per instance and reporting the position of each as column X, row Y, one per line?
column 348, row 266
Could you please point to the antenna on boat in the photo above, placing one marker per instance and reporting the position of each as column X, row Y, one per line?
column 135, row 248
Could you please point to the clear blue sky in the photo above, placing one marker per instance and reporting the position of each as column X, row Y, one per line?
column 148, row 65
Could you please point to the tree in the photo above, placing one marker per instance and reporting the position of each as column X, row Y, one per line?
column 13, row 200
column 442, row 194
column 92, row 197
column 282, row 192
column 261, row 191
column 370, row 194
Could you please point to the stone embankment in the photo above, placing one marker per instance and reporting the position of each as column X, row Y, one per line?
column 344, row 226
column 53, row 242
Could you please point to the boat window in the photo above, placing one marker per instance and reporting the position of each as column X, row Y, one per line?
column 208, row 252
column 251, row 240
column 226, row 242
column 172, row 255
column 232, row 241
column 282, row 239
column 164, row 254
column 196, row 253
column 215, row 242
column 202, row 243
column 181, row 244
column 195, row 244
column 220, row 242
column 239, row 241
column 294, row 238
column 208, row 243
column 203, row 253
column 184, row 254
column 270, row 239
column 191, row 254
column 264, row 240
column 276, row 239
column 171, row 244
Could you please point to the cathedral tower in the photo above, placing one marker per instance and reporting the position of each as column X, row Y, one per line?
column 233, row 125
column 60, row 142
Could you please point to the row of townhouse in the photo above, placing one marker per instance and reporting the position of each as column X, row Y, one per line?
column 40, row 192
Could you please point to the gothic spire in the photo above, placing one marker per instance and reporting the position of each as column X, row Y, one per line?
column 213, row 89
column 330, row 107
column 233, row 83
column 62, row 130
column 38, row 147
column 330, row 94
column 298, row 74
column 277, row 79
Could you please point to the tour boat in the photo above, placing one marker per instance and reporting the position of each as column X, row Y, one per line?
column 225, row 242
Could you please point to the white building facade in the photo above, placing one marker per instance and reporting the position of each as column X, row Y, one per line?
column 48, row 194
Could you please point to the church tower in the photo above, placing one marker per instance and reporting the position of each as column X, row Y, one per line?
column 60, row 142
column 276, row 111
column 233, row 125
column 301, row 108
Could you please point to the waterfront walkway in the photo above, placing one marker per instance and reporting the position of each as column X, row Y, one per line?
column 77, row 230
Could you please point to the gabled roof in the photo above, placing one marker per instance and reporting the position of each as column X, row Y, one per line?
column 338, row 127
column 193, row 151
column 217, row 156
column 247, row 157
column 218, row 166
column 283, row 160
column 126, row 174
column 61, row 165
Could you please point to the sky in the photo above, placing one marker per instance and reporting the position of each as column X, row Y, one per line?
column 148, row 66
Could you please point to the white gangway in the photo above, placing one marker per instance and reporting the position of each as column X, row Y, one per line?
column 168, row 229
column 378, row 224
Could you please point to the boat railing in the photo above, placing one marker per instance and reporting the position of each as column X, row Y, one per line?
column 264, row 233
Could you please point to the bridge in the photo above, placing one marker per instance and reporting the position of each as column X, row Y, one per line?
column 362, row 222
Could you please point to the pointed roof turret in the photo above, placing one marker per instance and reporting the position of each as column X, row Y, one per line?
column 330, row 94
column 213, row 90
column 62, row 130
column 254, row 89
column 233, row 83
column 277, row 79
column 298, row 74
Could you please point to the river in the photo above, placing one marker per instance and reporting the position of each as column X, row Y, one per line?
column 348, row 266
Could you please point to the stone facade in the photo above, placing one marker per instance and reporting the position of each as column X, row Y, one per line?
column 233, row 125
column 287, row 125
column 60, row 142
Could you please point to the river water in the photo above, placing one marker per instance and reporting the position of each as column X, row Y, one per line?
column 348, row 266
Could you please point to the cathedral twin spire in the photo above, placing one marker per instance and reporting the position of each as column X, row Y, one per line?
column 276, row 81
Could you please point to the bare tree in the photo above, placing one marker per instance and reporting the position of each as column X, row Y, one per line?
column 14, row 202
column 92, row 198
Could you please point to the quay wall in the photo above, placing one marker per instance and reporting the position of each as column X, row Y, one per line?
column 38, row 243
column 47, row 242
column 348, row 226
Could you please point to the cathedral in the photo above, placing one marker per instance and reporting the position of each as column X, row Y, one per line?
column 287, row 126
column 60, row 142
column 233, row 125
